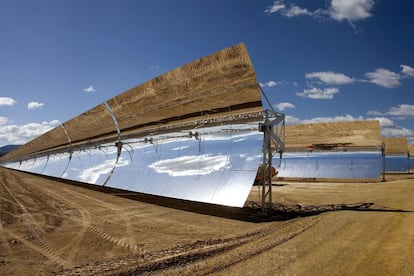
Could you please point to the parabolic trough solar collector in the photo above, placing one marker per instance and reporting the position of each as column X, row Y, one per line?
column 191, row 133
column 332, row 150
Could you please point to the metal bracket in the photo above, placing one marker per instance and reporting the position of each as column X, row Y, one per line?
column 273, row 129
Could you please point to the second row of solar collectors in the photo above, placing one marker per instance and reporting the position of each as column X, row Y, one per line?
column 397, row 163
column 331, row 165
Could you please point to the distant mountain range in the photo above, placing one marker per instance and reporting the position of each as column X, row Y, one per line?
column 6, row 149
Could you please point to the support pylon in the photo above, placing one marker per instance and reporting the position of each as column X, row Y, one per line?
column 273, row 136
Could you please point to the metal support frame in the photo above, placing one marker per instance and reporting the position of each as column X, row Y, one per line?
column 383, row 162
column 273, row 129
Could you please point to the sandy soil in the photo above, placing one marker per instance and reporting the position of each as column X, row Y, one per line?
column 51, row 227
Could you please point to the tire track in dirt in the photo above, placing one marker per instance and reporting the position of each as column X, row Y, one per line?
column 87, row 220
column 123, row 220
column 106, row 236
column 35, row 242
column 73, row 246
column 34, row 235
column 25, row 214
column 4, row 243
column 272, row 237
column 203, row 256
column 154, row 261
column 84, row 220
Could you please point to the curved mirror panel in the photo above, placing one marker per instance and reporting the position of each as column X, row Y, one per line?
column 213, row 165
column 36, row 165
column 12, row 165
column 57, row 164
column 91, row 165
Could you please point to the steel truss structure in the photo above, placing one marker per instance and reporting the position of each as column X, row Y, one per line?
column 273, row 129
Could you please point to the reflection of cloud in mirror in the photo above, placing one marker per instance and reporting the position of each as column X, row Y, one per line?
column 91, row 175
column 248, row 159
column 226, row 136
column 190, row 165
column 181, row 147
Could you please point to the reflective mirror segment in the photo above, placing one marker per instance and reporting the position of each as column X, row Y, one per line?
column 331, row 165
column 201, row 168
column 397, row 163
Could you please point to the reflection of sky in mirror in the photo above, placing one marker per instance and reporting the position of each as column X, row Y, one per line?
column 91, row 166
column 190, row 165
column 190, row 168
column 57, row 164
column 397, row 163
column 36, row 165
column 331, row 165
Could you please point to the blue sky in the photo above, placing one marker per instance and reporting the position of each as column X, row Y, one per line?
column 319, row 60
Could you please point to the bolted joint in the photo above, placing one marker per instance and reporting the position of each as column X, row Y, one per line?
column 263, row 127
column 196, row 135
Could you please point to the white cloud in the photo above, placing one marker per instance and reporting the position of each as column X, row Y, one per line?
column 290, row 120
column 289, row 11
column 283, row 106
column 296, row 11
column 277, row 6
column 339, row 10
column 3, row 120
column 21, row 134
column 344, row 118
column 330, row 77
column 402, row 110
column 154, row 67
column 384, row 122
column 269, row 84
column 374, row 113
column 407, row 70
column 351, row 10
column 32, row 130
column 7, row 101
column 380, row 76
column 34, row 105
column 397, row 132
column 89, row 89
column 317, row 93
column 384, row 77
column 190, row 165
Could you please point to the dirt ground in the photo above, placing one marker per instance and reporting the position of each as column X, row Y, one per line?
column 318, row 228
